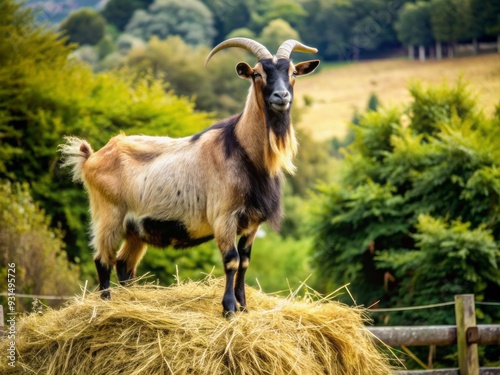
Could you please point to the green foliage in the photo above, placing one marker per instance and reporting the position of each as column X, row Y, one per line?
column 241, row 32
column 414, row 24
column 36, row 249
column 485, row 17
column 190, row 19
column 348, row 28
column 215, row 88
column 338, row 144
column 105, row 46
column 312, row 163
column 434, row 106
column 166, row 265
column 449, row 258
column 451, row 20
column 44, row 96
column 279, row 264
column 292, row 12
column 373, row 102
column 119, row 12
column 84, row 26
column 416, row 215
column 276, row 32
column 229, row 16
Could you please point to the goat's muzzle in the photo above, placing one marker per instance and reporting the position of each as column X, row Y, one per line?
column 280, row 100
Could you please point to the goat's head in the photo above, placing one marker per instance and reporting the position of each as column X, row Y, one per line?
column 271, row 94
column 272, row 76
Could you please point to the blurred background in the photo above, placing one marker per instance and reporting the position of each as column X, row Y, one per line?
column 397, row 193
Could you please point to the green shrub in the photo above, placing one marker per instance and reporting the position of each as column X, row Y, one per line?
column 36, row 249
column 415, row 218
column 84, row 26
column 443, row 167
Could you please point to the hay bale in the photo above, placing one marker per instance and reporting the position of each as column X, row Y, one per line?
column 148, row 329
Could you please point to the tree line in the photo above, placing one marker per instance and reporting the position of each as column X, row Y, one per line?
column 341, row 30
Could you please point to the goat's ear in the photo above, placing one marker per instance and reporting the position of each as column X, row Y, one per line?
column 306, row 67
column 244, row 70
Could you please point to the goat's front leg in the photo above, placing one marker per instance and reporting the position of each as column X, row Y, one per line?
column 231, row 262
column 225, row 235
column 244, row 251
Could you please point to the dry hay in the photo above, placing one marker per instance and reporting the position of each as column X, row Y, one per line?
column 148, row 329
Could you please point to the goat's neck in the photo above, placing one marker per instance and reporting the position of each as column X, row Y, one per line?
column 265, row 149
column 251, row 130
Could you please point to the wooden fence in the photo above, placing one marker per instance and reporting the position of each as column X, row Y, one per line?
column 466, row 334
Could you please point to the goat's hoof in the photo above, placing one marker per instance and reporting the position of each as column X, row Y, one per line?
column 106, row 294
column 228, row 314
column 243, row 309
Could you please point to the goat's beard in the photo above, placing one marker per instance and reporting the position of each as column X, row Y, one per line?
column 278, row 121
column 282, row 141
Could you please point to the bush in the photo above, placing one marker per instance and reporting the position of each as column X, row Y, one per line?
column 214, row 88
column 84, row 26
column 415, row 218
column 445, row 167
column 36, row 249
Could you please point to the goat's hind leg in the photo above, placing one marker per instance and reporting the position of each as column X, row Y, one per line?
column 106, row 238
column 130, row 254
column 104, row 275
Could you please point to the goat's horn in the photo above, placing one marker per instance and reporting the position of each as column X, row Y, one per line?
column 250, row 45
column 290, row 45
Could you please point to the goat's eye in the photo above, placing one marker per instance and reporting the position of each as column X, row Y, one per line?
column 295, row 73
column 256, row 75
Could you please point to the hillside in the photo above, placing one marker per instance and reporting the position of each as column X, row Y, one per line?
column 337, row 90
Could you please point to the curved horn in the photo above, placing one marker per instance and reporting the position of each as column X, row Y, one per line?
column 250, row 45
column 290, row 45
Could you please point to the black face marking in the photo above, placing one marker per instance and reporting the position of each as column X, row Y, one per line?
column 278, row 87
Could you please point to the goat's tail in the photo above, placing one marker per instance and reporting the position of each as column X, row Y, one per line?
column 75, row 153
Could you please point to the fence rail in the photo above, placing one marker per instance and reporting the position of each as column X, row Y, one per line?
column 487, row 334
column 466, row 334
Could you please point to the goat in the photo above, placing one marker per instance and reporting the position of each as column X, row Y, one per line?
column 220, row 183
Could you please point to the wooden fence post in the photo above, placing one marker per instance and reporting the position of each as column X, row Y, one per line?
column 1, row 322
column 467, row 334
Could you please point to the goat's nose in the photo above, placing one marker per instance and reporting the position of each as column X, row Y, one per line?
column 280, row 96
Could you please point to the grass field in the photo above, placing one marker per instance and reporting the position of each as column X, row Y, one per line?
column 336, row 91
